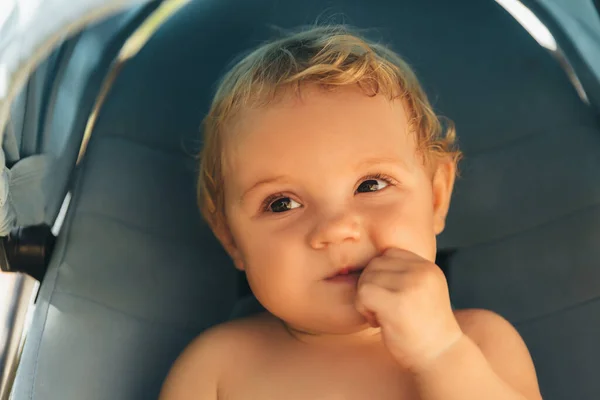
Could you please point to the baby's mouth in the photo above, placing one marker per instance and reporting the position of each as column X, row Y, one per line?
column 346, row 274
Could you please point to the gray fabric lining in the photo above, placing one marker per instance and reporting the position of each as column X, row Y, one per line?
column 136, row 273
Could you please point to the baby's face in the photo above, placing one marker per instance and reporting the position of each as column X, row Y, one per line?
column 320, row 184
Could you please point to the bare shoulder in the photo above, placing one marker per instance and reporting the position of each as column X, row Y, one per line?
column 476, row 320
column 199, row 369
column 487, row 329
column 503, row 347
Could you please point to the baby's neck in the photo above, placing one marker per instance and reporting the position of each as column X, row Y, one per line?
column 364, row 336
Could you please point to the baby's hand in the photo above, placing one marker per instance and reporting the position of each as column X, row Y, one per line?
column 408, row 297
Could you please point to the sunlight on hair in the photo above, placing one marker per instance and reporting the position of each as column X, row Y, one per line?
column 530, row 22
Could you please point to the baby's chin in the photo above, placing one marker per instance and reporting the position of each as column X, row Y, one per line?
column 343, row 321
column 336, row 335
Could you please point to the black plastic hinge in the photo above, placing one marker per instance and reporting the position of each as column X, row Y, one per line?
column 27, row 250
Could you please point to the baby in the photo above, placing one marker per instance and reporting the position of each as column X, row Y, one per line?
column 326, row 176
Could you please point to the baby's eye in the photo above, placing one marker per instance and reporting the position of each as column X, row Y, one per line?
column 371, row 185
column 282, row 204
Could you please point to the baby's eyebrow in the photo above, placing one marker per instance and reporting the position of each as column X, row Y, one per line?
column 374, row 161
column 266, row 181
column 365, row 163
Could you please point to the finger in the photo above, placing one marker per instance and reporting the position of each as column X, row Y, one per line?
column 394, row 252
column 369, row 316
column 371, row 319
column 376, row 301
column 390, row 280
column 396, row 263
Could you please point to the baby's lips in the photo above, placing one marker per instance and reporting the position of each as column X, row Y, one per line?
column 345, row 271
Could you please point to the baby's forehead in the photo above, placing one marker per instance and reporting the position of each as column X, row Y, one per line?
column 315, row 108
column 320, row 129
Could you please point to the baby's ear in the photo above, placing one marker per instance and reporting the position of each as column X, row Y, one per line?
column 223, row 233
column 443, row 183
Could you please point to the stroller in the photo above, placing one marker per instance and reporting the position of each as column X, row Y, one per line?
column 109, row 270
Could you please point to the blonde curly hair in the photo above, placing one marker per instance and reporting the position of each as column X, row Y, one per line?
column 328, row 56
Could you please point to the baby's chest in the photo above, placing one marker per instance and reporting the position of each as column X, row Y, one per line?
column 319, row 379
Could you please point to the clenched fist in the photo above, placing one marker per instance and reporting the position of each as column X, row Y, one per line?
column 407, row 296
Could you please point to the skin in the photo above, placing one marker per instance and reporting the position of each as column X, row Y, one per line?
column 315, row 185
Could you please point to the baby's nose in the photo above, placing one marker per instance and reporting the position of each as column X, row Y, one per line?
column 335, row 230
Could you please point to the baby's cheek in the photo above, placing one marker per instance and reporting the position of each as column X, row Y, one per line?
column 277, row 278
column 271, row 255
column 404, row 227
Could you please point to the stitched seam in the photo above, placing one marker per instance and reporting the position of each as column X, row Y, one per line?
column 529, row 229
column 137, row 318
column 171, row 151
column 588, row 128
column 134, row 227
column 556, row 312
